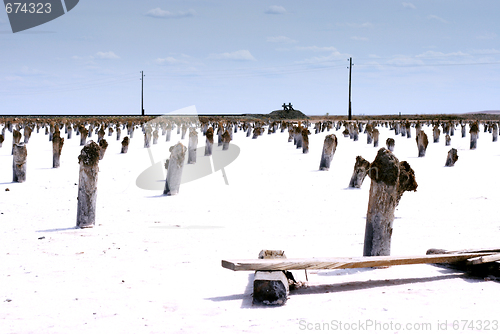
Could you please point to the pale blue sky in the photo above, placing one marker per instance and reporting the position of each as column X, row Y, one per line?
column 250, row 56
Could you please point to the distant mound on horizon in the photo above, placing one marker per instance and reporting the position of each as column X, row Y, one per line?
column 488, row 112
column 281, row 114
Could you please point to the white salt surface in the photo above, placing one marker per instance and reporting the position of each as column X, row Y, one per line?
column 152, row 264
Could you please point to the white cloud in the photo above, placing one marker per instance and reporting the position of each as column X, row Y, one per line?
column 106, row 55
column 236, row 55
column 165, row 14
column 437, row 18
column 316, row 48
column 356, row 25
column 409, row 5
column 487, row 35
column 435, row 54
column 276, row 10
column 170, row 61
column 358, row 38
column 281, row 39
column 335, row 55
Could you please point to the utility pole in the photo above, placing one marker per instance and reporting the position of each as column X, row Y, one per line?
column 350, row 106
column 142, row 93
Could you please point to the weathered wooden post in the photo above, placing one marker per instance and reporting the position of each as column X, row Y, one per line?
column 474, row 130
column 422, row 143
column 147, row 137
column 391, row 143
column 103, row 145
column 305, row 140
column 125, row 143
column 494, row 131
column 155, row 137
column 329, row 148
column 193, row 143
column 436, row 132
column 100, row 134
column 369, row 137
column 1, row 140
column 298, row 137
column 403, row 130
column 220, row 132
column 57, row 145
column 290, row 134
column 169, row 132
column 83, row 135
column 249, row 130
column 20, row 154
column 70, row 131
column 463, row 125
column 256, row 132
column 447, row 140
column 184, row 130
column 355, row 132
column 390, row 179
column 226, row 138
column 375, row 135
column 359, row 173
column 174, row 166
column 408, row 129
column 27, row 133
column 209, row 143
column 16, row 139
column 118, row 132
column 451, row 158
column 87, row 185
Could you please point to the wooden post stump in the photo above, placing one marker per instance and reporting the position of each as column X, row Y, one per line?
column 125, row 143
column 118, row 133
column 447, row 141
column 169, row 133
column 57, row 145
column 329, row 148
column 463, row 130
column 391, row 143
column 256, row 132
column 155, row 137
column 298, row 137
column 305, row 140
column 16, row 139
column 147, row 137
column 375, row 135
column 103, row 145
column 1, row 140
column 209, row 143
column 451, row 158
column 390, row 179
column 249, row 131
column 436, row 132
column 422, row 143
column 87, row 185
column 226, row 138
column 220, row 132
column 192, row 145
column 184, row 130
column 175, row 165
column 361, row 167
column 494, row 131
column 474, row 133
column 270, row 287
column 408, row 129
column 27, row 134
column 83, row 135
column 100, row 134
column 20, row 154
column 290, row 134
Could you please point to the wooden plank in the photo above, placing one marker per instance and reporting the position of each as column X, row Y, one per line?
column 484, row 259
column 344, row 262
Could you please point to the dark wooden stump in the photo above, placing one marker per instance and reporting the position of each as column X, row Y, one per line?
column 463, row 130
column 83, row 135
column 249, row 131
column 103, row 145
column 256, row 132
column 447, row 140
column 422, row 143
column 155, row 137
column 27, row 134
column 192, row 145
column 451, row 158
column 474, row 134
column 20, row 154
column 209, row 143
column 174, row 169
column 100, row 134
column 87, row 185
column 125, row 143
column 305, row 140
column 1, row 140
column 57, row 145
column 408, row 129
column 16, row 139
column 359, row 173
column 375, row 135
column 291, row 133
column 118, row 133
column 391, row 143
column 226, row 138
column 390, row 179
column 329, row 148
column 436, row 132
column 494, row 132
